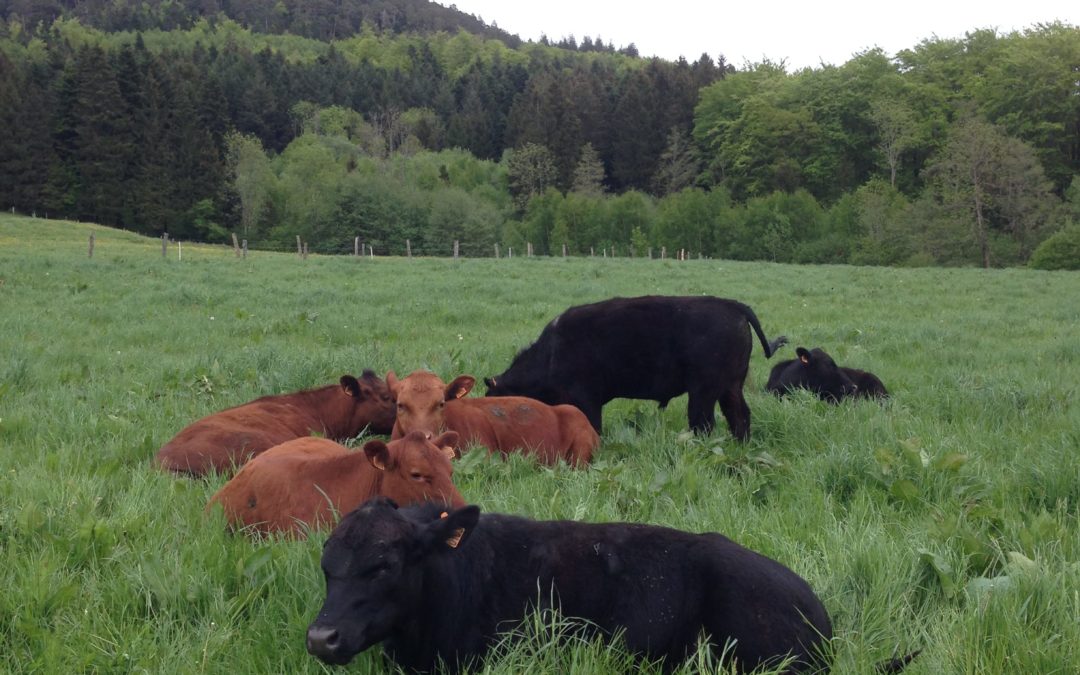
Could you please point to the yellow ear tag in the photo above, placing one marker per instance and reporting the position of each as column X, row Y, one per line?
column 453, row 540
column 461, row 393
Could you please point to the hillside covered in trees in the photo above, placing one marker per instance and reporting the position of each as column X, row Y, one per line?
column 394, row 120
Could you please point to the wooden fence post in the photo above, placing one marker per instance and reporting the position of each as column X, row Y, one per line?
column 408, row 248
column 179, row 250
column 613, row 250
column 356, row 247
column 650, row 253
column 564, row 250
column 164, row 244
column 663, row 252
column 235, row 245
column 509, row 251
column 457, row 248
column 528, row 249
column 244, row 250
column 91, row 239
column 304, row 255
column 592, row 253
column 299, row 248
column 496, row 251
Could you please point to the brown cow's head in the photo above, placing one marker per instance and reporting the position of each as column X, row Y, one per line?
column 416, row 468
column 369, row 404
column 421, row 398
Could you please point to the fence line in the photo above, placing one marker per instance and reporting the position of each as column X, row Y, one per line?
column 240, row 250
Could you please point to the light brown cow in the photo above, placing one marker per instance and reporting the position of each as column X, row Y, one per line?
column 227, row 439
column 311, row 482
column 426, row 403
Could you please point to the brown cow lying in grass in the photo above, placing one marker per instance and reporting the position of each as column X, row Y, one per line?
column 311, row 482
column 227, row 439
column 426, row 403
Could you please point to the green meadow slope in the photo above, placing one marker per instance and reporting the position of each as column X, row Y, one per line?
column 945, row 519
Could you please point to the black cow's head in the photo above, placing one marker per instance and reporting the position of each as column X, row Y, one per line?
column 373, row 563
column 820, row 374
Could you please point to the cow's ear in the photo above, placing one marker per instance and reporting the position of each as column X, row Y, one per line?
column 461, row 386
column 392, row 384
column 452, row 529
column 355, row 388
column 447, row 442
column 378, row 454
column 804, row 355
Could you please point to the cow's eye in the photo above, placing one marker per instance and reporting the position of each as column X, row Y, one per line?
column 416, row 475
column 442, row 404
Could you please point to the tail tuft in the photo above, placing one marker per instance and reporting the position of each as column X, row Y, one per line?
column 776, row 344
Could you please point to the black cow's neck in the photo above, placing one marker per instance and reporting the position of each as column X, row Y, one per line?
column 463, row 601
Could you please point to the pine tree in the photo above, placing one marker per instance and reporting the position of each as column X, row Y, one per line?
column 589, row 173
column 678, row 167
column 102, row 139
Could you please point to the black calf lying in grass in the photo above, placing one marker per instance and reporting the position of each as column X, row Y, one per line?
column 815, row 370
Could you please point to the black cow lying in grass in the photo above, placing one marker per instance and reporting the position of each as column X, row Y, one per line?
column 434, row 585
column 815, row 370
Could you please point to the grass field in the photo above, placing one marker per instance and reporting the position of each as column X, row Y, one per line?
column 946, row 519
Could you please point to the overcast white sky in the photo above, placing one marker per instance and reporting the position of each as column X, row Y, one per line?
column 802, row 33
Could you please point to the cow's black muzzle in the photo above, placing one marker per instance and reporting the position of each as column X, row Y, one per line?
column 325, row 643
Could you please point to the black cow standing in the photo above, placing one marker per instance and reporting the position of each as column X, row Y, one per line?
column 653, row 348
column 816, row 371
column 434, row 588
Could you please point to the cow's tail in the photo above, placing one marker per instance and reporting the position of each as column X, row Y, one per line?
column 769, row 347
column 897, row 664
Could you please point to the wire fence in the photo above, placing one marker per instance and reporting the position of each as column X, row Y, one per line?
column 358, row 247
column 361, row 249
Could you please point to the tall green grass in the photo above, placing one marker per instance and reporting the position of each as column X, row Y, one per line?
column 945, row 519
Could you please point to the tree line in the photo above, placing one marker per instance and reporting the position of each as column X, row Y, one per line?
column 961, row 151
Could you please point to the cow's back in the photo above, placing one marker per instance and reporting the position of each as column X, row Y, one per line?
column 870, row 385
column 782, row 375
column 508, row 423
column 652, row 347
column 288, row 486
column 663, row 587
column 229, row 438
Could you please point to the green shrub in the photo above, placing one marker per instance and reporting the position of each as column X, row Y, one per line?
column 1061, row 251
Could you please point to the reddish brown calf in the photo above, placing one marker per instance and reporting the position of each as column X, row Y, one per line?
column 311, row 482
column 426, row 403
column 228, row 439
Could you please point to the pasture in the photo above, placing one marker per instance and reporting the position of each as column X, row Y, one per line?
column 945, row 519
